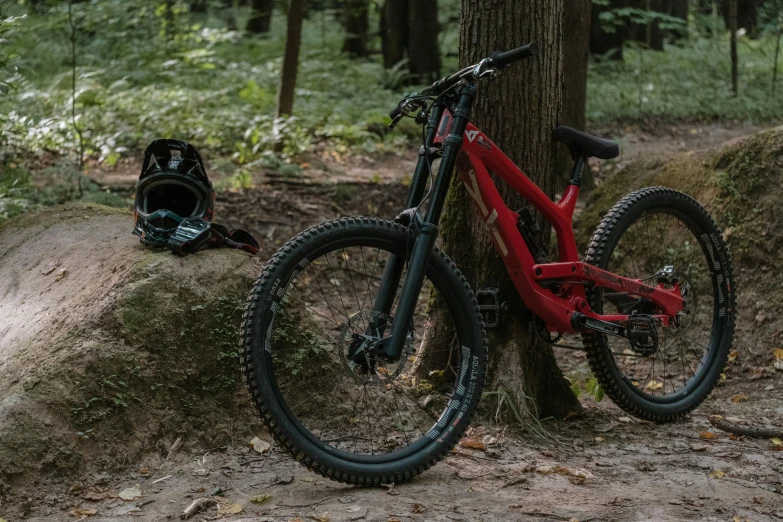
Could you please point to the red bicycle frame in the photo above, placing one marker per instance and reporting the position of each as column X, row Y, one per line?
column 555, row 308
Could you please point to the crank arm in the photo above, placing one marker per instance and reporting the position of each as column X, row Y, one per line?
column 581, row 322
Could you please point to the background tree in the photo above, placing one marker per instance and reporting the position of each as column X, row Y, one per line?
column 410, row 30
column 356, row 19
column 293, row 39
column 261, row 19
column 747, row 14
column 518, row 112
column 423, row 30
column 607, row 37
column 733, row 36
column 576, row 43
column 394, row 31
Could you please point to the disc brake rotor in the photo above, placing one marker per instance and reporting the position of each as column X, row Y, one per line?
column 357, row 345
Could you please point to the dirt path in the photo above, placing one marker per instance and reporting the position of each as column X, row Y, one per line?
column 602, row 466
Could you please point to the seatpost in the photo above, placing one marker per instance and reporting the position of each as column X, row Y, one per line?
column 428, row 233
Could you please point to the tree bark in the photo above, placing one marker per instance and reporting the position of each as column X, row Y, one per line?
column 656, row 34
column 261, row 21
column 423, row 30
column 293, row 39
column 576, row 42
column 517, row 111
column 680, row 9
column 394, row 31
column 734, row 58
column 356, row 20
column 602, row 42
column 747, row 15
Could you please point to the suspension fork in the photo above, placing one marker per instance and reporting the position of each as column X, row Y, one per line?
column 394, row 266
column 428, row 230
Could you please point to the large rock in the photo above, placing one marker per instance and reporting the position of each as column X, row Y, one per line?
column 108, row 350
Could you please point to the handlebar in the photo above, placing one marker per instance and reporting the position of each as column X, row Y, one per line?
column 502, row 59
column 499, row 60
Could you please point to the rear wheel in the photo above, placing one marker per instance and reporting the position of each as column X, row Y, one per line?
column 315, row 379
column 661, row 236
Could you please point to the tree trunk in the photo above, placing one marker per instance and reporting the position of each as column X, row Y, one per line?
column 293, row 39
column 261, row 20
column 576, row 23
column 747, row 15
column 604, row 43
column 734, row 58
column 394, row 31
column 356, row 20
column 679, row 8
column 656, row 34
column 231, row 14
column 423, row 29
column 517, row 111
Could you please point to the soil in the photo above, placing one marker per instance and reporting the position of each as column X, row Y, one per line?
column 601, row 465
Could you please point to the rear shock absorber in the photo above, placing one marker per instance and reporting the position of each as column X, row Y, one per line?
column 530, row 231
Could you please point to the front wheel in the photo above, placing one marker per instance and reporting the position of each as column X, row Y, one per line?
column 660, row 236
column 322, row 389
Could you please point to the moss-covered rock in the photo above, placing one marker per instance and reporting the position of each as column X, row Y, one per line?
column 109, row 356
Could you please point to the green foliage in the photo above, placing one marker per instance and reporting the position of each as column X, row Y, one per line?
column 146, row 71
column 8, row 58
column 616, row 19
column 18, row 193
column 692, row 81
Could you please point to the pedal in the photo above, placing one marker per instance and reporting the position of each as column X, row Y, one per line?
column 490, row 306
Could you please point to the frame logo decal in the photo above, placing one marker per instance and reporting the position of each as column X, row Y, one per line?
column 471, row 134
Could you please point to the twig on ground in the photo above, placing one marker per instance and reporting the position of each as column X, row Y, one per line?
column 196, row 506
column 307, row 505
column 754, row 432
column 174, row 448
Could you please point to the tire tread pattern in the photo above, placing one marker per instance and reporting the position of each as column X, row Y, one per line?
column 308, row 458
column 598, row 355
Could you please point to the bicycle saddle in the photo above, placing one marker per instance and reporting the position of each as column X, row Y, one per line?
column 583, row 144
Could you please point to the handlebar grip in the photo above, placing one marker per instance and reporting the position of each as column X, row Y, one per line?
column 395, row 113
column 501, row 59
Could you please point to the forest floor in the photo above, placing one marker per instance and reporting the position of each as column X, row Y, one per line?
column 601, row 465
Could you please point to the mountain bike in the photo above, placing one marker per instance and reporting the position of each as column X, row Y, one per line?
column 364, row 347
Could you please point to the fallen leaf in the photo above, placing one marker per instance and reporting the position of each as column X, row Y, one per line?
column 778, row 354
column 82, row 513
column 61, row 274
column 718, row 474
column 324, row 517
column 777, row 443
column 735, row 420
column 760, row 318
column 260, row 446
column 472, row 444
column 232, row 509
column 708, row 435
column 599, row 439
column 130, row 493
column 624, row 419
column 699, row 447
column 733, row 355
column 739, row 397
column 653, row 385
column 260, row 499
column 418, row 508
